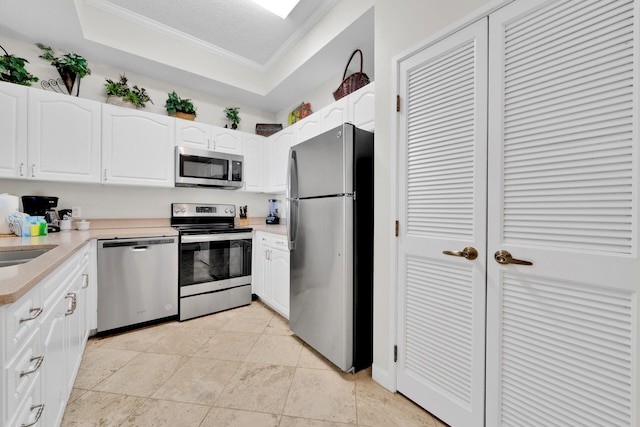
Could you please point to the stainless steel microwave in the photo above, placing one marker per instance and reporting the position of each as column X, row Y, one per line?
column 206, row 168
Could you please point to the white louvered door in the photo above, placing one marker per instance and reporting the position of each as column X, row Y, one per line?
column 562, row 334
column 442, row 193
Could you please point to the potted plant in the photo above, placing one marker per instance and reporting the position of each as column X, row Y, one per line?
column 232, row 116
column 119, row 93
column 69, row 66
column 178, row 107
column 12, row 70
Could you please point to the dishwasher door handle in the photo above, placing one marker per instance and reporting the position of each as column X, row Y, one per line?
column 139, row 248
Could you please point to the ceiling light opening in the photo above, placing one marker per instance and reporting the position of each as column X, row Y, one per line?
column 282, row 8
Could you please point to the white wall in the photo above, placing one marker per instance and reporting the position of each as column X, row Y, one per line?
column 399, row 26
column 209, row 108
column 113, row 201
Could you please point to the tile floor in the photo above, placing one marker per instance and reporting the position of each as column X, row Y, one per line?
column 241, row 367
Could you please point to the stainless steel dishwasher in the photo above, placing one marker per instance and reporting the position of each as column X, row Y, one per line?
column 137, row 281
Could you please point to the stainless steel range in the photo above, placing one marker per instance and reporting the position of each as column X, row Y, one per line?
column 215, row 259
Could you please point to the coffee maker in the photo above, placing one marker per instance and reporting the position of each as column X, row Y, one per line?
column 274, row 216
column 42, row 206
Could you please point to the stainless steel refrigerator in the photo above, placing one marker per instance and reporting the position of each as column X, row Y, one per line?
column 330, row 232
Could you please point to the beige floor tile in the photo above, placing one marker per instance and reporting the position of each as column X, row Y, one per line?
column 182, row 341
column 198, row 381
column 92, row 344
column 100, row 409
column 257, row 387
column 305, row 422
column 75, row 394
column 227, row 345
column 136, row 340
column 143, row 375
column 212, row 321
column 251, row 320
column 161, row 413
column 378, row 407
column 101, row 363
column 278, row 325
column 218, row 417
column 322, row 395
column 275, row 349
column 309, row 358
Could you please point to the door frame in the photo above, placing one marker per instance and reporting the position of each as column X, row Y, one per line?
column 388, row 377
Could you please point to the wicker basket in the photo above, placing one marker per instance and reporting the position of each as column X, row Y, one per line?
column 352, row 83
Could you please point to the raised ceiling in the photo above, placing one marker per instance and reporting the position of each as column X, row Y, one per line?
column 236, row 50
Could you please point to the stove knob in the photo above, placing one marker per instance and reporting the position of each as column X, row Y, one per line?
column 176, row 211
column 232, row 210
column 226, row 210
column 183, row 210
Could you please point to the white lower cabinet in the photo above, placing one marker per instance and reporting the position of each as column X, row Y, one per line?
column 270, row 275
column 43, row 337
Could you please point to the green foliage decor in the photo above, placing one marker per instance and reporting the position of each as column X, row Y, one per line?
column 69, row 61
column 12, row 70
column 122, row 90
column 233, row 116
column 176, row 104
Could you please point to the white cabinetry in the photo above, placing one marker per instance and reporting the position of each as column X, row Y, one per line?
column 256, row 167
column 194, row 134
column 13, row 122
column 271, row 271
column 362, row 107
column 334, row 114
column 278, row 157
column 63, row 138
column 227, row 140
column 43, row 335
column 137, row 147
column 48, row 136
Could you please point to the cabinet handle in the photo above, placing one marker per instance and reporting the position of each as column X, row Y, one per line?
column 38, row 360
column 74, row 301
column 85, row 281
column 21, row 169
column 37, row 311
column 105, row 176
column 33, row 170
column 40, row 409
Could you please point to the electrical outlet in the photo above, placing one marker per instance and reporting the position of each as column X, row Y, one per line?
column 76, row 212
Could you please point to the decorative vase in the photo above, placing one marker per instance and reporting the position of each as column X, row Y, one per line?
column 121, row 102
column 185, row 116
column 69, row 78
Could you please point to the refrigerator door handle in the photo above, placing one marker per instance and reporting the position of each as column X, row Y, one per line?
column 292, row 198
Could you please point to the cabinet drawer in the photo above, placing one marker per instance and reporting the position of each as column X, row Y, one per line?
column 23, row 373
column 21, row 323
column 31, row 410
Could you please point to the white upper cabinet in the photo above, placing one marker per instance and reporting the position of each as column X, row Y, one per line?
column 278, row 157
column 63, row 137
column 227, row 140
column 137, row 147
column 256, row 167
column 194, row 134
column 334, row 114
column 307, row 128
column 13, row 122
column 362, row 107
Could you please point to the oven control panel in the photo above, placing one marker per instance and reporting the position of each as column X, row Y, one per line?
column 200, row 210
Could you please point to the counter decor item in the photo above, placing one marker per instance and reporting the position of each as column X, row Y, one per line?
column 12, row 70
column 178, row 107
column 8, row 205
column 70, row 66
column 119, row 93
column 243, row 215
column 352, row 83
column 83, row 225
column 232, row 116
column 268, row 129
column 303, row 110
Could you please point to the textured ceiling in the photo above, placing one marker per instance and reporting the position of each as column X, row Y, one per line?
column 240, row 27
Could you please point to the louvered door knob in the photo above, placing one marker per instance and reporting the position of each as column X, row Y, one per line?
column 468, row 253
column 504, row 257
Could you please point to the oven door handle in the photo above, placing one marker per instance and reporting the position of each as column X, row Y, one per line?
column 215, row 237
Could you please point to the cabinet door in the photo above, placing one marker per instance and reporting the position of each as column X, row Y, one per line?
column 13, row 122
column 259, row 258
column 307, row 128
column 194, row 134
column 279, row 278
column 442, row 208
column 562, row 333
column 227, row 140
column 255, row 163
column 362, row 107
column 278, row 156
column 64, row 137
column 137, row 147
column 334, row 114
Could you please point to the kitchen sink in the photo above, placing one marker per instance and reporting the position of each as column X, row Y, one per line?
column 8, row 258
